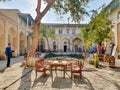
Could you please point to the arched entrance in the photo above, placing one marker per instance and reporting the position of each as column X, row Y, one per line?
column 76, row 43
column 54, row 46
column 13, row 39
column 22, row 43
column 2, row 42
column 66, row 45
column 42, row 46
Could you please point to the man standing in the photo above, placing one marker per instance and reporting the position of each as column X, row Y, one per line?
column 8, row 53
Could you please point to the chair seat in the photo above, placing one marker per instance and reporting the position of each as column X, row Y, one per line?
column 40, row 69
column 75, row 69
column 47, row 67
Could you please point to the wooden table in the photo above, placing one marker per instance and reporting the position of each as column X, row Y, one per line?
column 55, row 64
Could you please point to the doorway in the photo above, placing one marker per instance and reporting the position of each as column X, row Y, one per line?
column 65, row 48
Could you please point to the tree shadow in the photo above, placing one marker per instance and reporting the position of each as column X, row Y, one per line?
column 25, row 83
column 41, row 79
column 83, row 82
column 116, row 69
column 111, row 81
column 62, row 83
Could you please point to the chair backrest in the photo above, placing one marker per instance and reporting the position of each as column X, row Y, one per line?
column 40, row 62
column 80, row 64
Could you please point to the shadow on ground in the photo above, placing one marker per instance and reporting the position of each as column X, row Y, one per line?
column 117, row 85
column 41, row 79
column 83, row 83
column 25, row 83
column 61, row 83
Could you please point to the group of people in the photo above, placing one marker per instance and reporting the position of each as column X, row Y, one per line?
column 100, row 49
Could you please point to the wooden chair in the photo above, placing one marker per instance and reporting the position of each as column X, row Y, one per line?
column 77, row 69
column 41, row 67
column 101, row 56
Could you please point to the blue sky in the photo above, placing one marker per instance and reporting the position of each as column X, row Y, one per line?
column 28, row 6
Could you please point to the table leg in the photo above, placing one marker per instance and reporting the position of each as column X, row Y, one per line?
column 65, row 67
column 51, row 73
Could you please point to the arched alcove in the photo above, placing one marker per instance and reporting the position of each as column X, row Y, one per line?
column 13, row 39
column 2, row 42
column 42, row 45
column 76, row 42
column 22, row 43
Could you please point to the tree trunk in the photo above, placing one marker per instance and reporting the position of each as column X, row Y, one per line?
column 31, row 54
column 30, row 61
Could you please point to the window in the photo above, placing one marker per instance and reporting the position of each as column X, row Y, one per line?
column 60, row 32
column 119, row 15
column 73, row 31
column 65, row 42
column 68, row 31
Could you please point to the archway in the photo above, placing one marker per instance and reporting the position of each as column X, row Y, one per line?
column 2, row 42
column 13, row 39
column 42, row 46
column 76, row 43
column 66, row 44
column 54, row 46
column 22, row 43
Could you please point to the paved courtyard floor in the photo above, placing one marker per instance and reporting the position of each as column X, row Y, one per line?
column 93, row 78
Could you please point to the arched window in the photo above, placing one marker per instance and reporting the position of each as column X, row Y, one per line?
column 54, row 46
column 65, row 42
column 54, row 43
column 119, row 15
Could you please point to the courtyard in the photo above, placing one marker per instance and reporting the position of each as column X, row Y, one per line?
column 20, row 78
column 50, row 40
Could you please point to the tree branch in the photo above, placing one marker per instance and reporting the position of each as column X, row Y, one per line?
column 40, row 15
column 38, row 9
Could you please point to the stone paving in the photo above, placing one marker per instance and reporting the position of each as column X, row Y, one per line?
column 93, row 78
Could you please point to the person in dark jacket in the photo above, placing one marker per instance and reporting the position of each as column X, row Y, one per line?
column 8, row 53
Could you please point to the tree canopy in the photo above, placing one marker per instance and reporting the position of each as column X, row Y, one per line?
column 75, row 8
column 98, row 30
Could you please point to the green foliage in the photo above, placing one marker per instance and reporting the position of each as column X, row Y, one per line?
column 78, row 56
column 75, row 8
column 46, row 32
column 98, row 30
column 50, row 55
